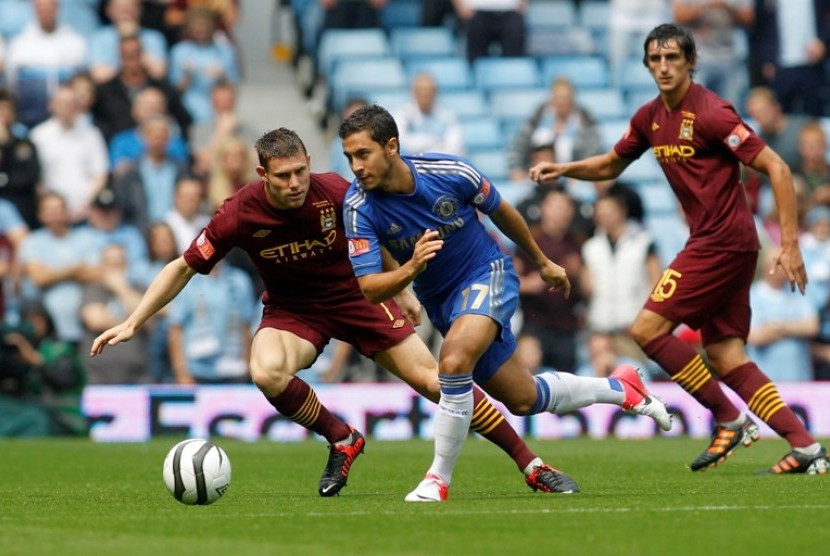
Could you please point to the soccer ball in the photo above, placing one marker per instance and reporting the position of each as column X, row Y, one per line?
column 196, row 471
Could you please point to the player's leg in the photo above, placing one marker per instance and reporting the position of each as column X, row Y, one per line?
column 276, row 356
column 412, row 362
column 728, row 359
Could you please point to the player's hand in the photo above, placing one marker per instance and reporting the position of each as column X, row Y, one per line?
column 556, row 277
column 410, row 306
column 425, row 250
column 547, row 171
column 790, row 261
column 115, row 335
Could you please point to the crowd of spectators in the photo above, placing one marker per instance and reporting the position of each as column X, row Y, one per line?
column 120, row 136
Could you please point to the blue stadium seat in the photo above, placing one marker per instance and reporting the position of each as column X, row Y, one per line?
column 550, row 13
column 644, row 169
column 418, row 42
column 603, row 104
column 481, row 134
column 350, row 44
column 611, row 131
column 493, row 73
column 658, row 197
column 636, row 98
column 634, row 78
column 594, row 15
column 585, row 72
column 450, row 73
column 560, row 41
column 365, row 78
column 670, row 233
column 517, row 105
column 401, row 13
column 491, row 163
column 464, row 102
column 391, row 99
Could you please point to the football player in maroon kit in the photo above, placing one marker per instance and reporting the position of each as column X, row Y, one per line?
column 700, row 142
column 289, row 224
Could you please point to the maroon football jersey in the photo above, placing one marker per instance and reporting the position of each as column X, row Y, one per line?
column 301, row 254
column 699, row 144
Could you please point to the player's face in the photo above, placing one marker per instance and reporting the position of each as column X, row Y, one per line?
column 370, row 161
column 669, row 66
column 287, row 180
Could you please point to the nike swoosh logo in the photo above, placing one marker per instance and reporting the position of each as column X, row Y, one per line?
column 327, row 488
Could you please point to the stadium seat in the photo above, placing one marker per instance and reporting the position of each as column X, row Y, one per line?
column 493, row 73
column 585, row 72
column 400, row 13
column 560, row 41
column 603, row 104
column 391, row 99
column 517, row 105
column 611, row 131
column 658, row 197
column 450, row 73
column 350, row 44
column 644, row 169
column 365, row 78
column 670, row 233
column 634, row 78
column 464, row 102
column 594, row 15
column 492, row 163
column 419, row 42
column 481, row 134
column 550, row 13
column 635, row 99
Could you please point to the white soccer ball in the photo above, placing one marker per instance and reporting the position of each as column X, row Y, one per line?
column 196, row 471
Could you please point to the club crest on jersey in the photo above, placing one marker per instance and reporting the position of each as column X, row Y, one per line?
column 737, row 136
column 445, row 207
column 204, row 246
column 687, row 129
column 394, row 229
column 327, row 219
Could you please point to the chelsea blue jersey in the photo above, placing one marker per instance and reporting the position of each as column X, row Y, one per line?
column 448, row 193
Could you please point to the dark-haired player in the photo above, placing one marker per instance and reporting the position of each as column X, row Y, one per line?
column 700, row 142
column 289, row 223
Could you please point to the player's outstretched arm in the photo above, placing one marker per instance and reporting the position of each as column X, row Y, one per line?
column 605, row 166
column 781, row 179
column 166, row 286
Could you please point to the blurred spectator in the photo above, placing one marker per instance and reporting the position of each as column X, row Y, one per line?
column 778, row 129
column 125, row 20
column 12, row 232
column 771, row 227
column 106, row 302
column 621, row 267
column 114, row 99
column 788, row 49
column 560, row 122
column 8, row 114
column 145, row 189
column 629, row 21
column 199, row 61
column 338, row 163
column 85, row 91
column 186, row 218
column 161, row 245
column 233, row 167
column 210, row 328
column 436, row 13
column 128, row 147
column 104, row 226
column 226, row 14
column 73, row 156
column 41, row 379
column 42, row 56
column 812, row 148
column 715, row 24
column 19, row 165
column 426, row 126
column 56, row 261
column 550, row 321
column 820, row 347
column 815, row 248
column 493, row 22
column 205, row 137
column 783, row 321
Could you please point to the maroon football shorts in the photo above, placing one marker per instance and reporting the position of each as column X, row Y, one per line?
column 707, row 290
column 368, row 327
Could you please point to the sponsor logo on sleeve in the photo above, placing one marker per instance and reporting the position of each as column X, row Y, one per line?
column 737, row 136
column 358, row 247
column 483, row 192
column 204, row 246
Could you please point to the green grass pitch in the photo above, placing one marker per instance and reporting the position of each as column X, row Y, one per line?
column 76, row 497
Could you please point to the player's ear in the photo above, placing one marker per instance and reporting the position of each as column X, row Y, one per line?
column 260, row 170
column 392, row 146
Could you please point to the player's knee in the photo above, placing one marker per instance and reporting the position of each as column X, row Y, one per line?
column 520, row 407
column 641, row 333
column 455, row 363
column 270, row 379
